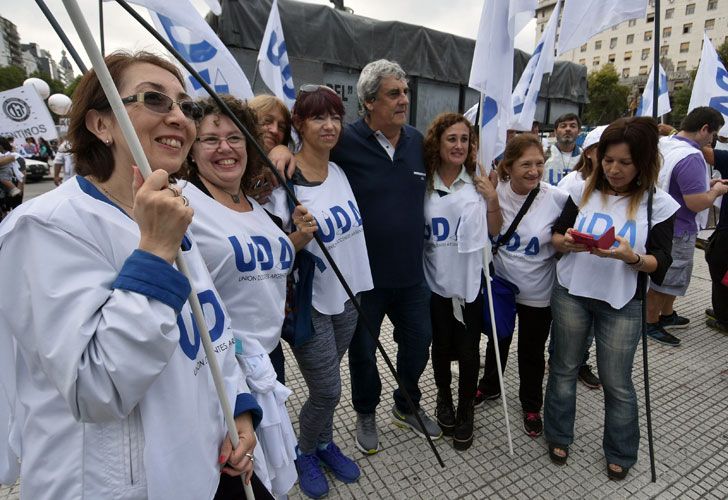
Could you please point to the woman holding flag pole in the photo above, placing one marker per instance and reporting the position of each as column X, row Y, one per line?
column 107, row 368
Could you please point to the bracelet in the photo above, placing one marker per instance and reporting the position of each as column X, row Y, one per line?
column 637, row 263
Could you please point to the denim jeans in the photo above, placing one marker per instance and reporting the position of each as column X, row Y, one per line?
column 617, row 333
column 409, row 311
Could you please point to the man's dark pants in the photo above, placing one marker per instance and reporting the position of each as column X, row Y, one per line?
column 408, row 309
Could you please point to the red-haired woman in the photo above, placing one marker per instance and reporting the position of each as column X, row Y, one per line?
column 322, row 187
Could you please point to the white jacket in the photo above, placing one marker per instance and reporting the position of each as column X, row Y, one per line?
column 108, row 389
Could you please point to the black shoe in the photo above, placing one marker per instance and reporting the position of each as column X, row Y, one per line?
column 673, row 322
column 617, row 475
column 658, row 334
column 717, row 325
column 588, row 378
column 709, row 312
column 445, row 414
column 555, row 457
column 532, row 423
column 463, row 436
column 481, row 397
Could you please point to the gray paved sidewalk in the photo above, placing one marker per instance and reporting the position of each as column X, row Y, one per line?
column 690, row 413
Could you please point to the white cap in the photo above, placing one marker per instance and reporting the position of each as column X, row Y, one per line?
column 593, row 136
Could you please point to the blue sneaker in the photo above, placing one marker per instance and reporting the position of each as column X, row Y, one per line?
column 659, row 334
column 343, row 467
column 311, row 478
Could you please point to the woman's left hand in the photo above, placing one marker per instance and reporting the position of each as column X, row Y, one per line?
column 304, row 221
column 622, row 252
column 240, row 460
column 486, row 184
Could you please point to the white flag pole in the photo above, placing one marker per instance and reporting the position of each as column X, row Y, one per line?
column 112, row 94
column 494, row 338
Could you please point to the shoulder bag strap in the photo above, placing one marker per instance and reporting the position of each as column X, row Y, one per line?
column 502, row 240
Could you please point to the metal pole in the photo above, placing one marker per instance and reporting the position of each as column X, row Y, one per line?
column 645, row 364
column 62, row 35
column 251, row 141
column 101, row 26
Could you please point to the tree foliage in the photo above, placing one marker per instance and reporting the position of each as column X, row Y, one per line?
column 723, row 53
column 680, row 99
column 607, row 98
column 11, row 77
column 71, row 87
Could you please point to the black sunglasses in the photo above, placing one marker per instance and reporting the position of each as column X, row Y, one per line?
column 160, row 103
column 310, row 87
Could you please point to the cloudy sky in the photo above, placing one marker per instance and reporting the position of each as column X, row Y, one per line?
column 460, row 17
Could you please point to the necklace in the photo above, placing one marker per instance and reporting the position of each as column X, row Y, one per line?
column 106, row 191
column 233, row 196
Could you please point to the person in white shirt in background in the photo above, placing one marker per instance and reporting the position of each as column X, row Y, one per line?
column 564, row 154
column 461, row 208
column 8, row 167
column 63, row 162
column 599, row 289
column 526, row 260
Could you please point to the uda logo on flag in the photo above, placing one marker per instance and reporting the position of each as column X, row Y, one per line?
column 273, row 59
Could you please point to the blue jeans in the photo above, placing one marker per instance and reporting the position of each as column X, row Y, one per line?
column 409, row 310
column 617, row 333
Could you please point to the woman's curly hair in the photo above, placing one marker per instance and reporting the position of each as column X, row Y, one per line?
column 433, row 135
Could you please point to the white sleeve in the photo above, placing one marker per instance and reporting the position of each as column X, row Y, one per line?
column 100, row 347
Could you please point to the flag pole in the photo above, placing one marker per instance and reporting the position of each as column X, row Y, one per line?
column 643, row 291
column 489, row 292
column 251, row 141
column 62, row 35
column 140, row 159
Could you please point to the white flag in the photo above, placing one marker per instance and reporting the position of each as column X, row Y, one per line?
column 663, row 99
column 273, row 59
column 525, row 95
column 491, row 72
column 583, row 19
column 186, row 30
column 711, row 84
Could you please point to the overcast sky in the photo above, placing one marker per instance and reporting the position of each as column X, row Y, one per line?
column 460, row 17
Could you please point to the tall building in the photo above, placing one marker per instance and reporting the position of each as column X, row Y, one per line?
column 10, row 53
column 65, row 69
column 44, row 62
column 629, row 45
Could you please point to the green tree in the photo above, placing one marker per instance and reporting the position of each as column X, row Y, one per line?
column 607, row 98
column 71, row 87
column 723, row 53
column 680, row 99
column 11, row 77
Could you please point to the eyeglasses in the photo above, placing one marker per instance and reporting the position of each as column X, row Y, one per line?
column 213, row 142
column 160, row 103
column 310, row 87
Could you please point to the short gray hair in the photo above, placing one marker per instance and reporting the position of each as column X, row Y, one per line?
column 371, row 79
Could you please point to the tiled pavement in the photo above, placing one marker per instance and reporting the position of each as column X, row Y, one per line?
column 689, row 387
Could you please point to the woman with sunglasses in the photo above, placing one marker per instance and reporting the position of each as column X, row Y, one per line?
column 109, row 387
column 322, row 187
column 249, row 258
